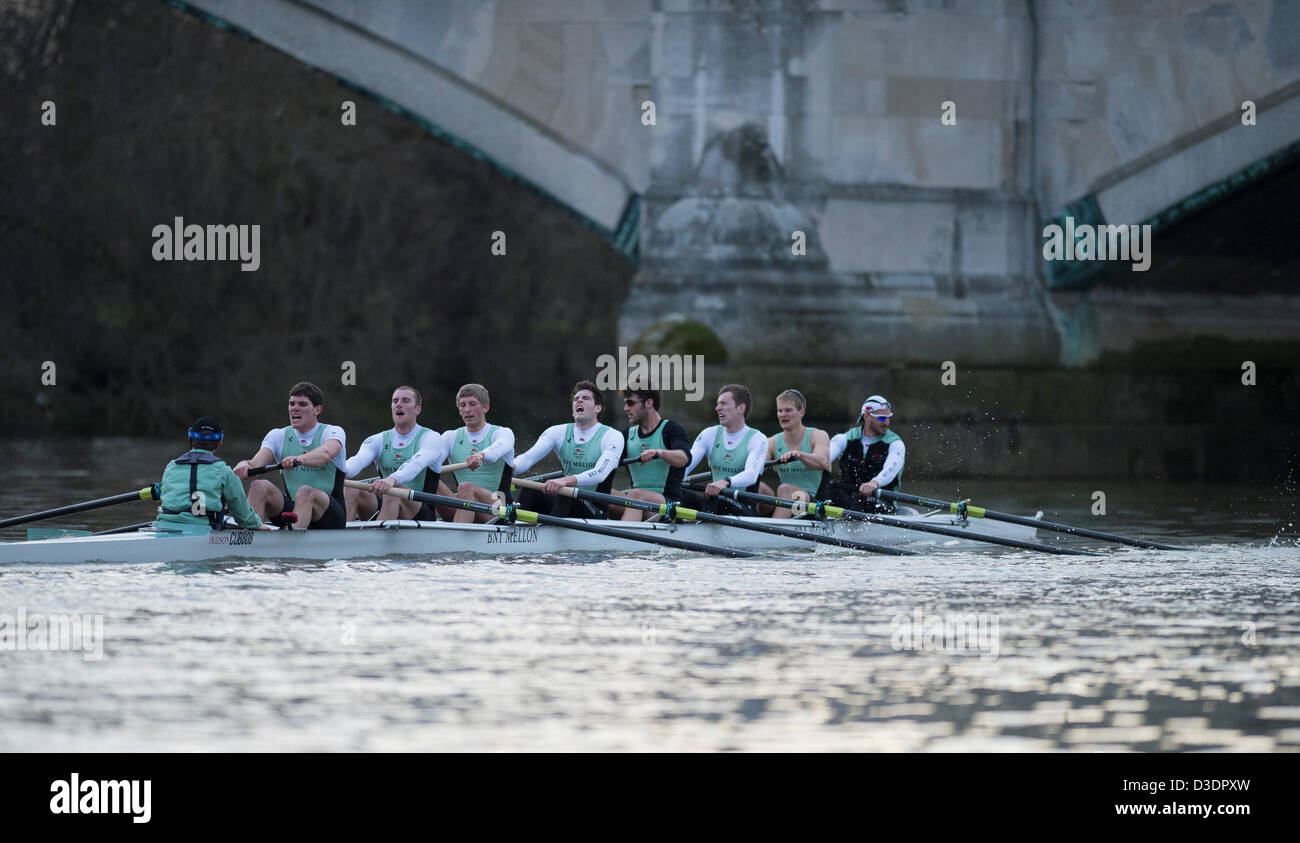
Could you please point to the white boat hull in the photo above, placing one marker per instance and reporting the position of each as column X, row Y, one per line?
column 370, row 540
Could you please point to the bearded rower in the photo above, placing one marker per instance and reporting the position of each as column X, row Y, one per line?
column 588, row 450
column 311, row 453
column 871, row 457
column 662, row 447
column 802, row 454
column 407, row 455
column 735, row 453
column 487, row 450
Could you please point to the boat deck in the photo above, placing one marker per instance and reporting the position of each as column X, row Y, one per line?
column 375, row 539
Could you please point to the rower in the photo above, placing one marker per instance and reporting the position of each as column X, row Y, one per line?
column 487, row 449
column 871, row 457
column 198, row 488
column 802, row 454
column 408, row 455
column 588, row 450
column 663, row 449
column 735, row 453
column 311, row 453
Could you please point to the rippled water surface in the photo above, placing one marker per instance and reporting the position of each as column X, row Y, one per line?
column 1145, row 650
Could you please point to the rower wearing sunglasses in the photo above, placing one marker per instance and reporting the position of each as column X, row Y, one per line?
column 662, row 448
column 871, row 457
column 802, row 454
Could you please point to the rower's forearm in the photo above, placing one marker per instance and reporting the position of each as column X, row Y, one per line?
column 814, row 462
column 315, row 458
column 675, row 458
column 264, row 456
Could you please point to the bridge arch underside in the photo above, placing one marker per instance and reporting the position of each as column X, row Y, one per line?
column 1227, row 274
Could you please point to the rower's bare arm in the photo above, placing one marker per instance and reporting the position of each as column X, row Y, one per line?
column 820, row 458
column 675, row 458
column 264, row 456
column 556, row 484
column 317, row 457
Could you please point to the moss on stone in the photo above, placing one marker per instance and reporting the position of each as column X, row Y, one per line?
column 681, row 336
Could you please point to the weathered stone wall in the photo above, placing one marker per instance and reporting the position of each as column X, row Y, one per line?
column 922, row 239
column 1120, row 81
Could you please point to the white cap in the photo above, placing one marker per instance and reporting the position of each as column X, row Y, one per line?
column 874, row 405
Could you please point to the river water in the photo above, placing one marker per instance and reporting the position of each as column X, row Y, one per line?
column 827, row 650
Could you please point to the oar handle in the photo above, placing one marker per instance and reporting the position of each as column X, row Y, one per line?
column 703, row 475
column 461, row 466
column 265, row 469
column 524, row 483
column 551, row 475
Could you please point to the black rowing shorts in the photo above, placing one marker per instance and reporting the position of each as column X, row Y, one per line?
column 335, row 516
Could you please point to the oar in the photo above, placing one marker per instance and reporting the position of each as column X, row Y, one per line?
column 129, row 528
column 551, row 475
column 826, row 509
column 676, row 510
column 695, row 478
column 263, row 469
column 513, row 513
column 461, row 466
column 148, row 493
column 981, row 512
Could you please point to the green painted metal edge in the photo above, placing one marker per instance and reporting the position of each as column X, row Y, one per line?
column 1074, row 274
column 1078, row 275
column 1220, row 190
column 625, row 237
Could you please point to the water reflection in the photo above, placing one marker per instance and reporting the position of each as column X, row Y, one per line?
column 1134, row 650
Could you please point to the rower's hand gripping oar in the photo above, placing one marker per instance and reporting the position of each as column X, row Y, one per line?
column 825, row 509
column 672, row 510
column 550, row 475
column 702, row 475
column 965, row 509
column 513, row 514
